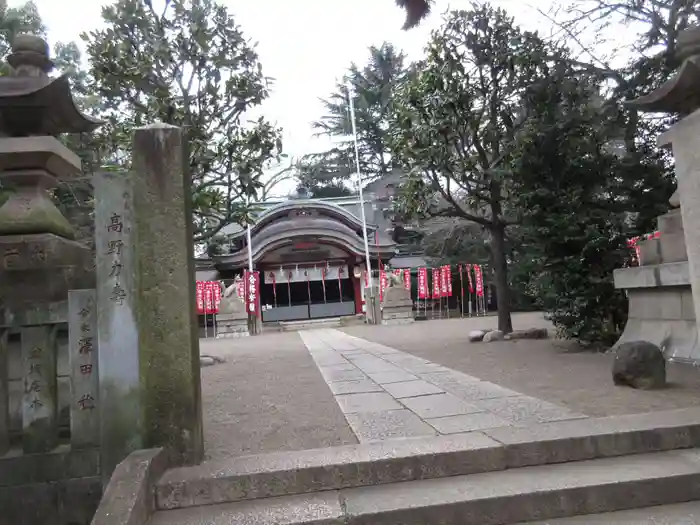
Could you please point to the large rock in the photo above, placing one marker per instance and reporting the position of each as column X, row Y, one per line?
column 530, row 333
column 476, row 335
column 639, row 364
column 495, row 335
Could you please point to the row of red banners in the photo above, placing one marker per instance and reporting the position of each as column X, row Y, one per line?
column 441, row 280
column 209, row 294
column 208, row 297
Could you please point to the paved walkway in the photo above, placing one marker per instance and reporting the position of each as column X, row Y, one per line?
column 386, row 394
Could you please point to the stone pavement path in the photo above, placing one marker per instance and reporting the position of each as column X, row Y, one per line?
column 387, row 394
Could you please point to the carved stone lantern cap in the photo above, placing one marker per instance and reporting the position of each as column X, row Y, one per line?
column 680, row 94
column 31, row 102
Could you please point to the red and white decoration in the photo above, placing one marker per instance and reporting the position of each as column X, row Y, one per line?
column 437, row 288
column 479, row 278
column 252, row 292
column 208, row 297
column 422, row 283
column 470, row 283
column 633, row 243
column 407, row 279
column 383, row 283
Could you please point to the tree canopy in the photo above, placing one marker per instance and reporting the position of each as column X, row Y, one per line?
column 188, row 64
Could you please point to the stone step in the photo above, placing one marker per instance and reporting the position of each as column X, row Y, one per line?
column 491, row 498
column 306, row 471
column 678, row 514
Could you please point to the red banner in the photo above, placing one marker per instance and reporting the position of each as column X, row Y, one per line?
column 407, row 279
column 436, row 283
column 208, row 297
column 469, row 278
column 241, row 288
column 252, row 292
column 443, row 281
column 200, row 297
column 422, row 283
column 383, row 283
column 448, row 273
column 217, row 296
column 461, row 280
column 479, row 277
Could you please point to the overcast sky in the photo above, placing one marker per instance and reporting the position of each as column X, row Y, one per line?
column 305, row 45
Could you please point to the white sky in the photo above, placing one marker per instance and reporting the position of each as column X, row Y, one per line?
column 305, row 45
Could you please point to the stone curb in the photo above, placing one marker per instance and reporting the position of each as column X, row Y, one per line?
column 492, row 498
column 128, row 498
column 301, row 472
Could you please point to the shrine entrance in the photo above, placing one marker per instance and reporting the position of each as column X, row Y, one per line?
column 308, row 290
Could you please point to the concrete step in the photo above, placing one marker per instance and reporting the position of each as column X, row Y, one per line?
column 309, row 324
column 490, row 498
column 308, row 471
column 678, row 514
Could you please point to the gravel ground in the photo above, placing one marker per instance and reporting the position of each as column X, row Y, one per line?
column 548, row 369
column 267, row 396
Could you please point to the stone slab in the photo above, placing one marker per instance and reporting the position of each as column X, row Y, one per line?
column 390, row 424
column 678, row 514
column 4, row 391
column 397, row 376
column 310, row 509
column 359, row 386
column 375, row 365
column 412, row 389
column 369, row 402
column 476, row 390
column 303, row 471
column 331, row 374
column 526, row 410
column 467, row 423
column 580, row 439
column 526, row 494
column 439, row 405
column 128, row 497
column 44, row 152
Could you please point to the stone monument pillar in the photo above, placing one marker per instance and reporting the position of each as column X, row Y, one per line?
column 148, row 342
column 681, row 95
column 39, row 260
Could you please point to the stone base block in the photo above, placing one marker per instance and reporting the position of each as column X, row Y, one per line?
column 44, row 267
column 398, row 321
column 671, row 222
column 232, row 335
column 664, row 316
column 672, row 248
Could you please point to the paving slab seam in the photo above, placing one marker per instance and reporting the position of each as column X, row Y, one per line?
column 377, row 400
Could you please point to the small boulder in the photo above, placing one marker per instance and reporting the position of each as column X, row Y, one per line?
column 208, row 360
column 530, row 333
column 495, row 335
column 639, row 364
column 476, row 335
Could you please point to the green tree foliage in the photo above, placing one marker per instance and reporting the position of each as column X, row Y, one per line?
column 323, row 176
column 188, row 64
column 456, row 122
column 373, row 86
column 580, row 200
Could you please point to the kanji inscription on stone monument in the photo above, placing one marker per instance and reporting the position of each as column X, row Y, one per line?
column 82, row 334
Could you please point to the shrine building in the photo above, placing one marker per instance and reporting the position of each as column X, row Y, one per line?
column 310, row 254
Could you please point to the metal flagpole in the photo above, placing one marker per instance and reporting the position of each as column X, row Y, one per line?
column 359, row 187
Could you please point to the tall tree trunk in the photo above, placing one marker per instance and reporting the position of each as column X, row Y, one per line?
column 500, row 266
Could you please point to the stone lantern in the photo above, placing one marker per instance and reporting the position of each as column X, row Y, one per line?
column 39, row 258
column 664, row 290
